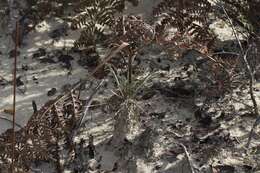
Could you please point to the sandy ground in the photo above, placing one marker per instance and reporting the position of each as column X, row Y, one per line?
column 177, row 123
column 49, row 76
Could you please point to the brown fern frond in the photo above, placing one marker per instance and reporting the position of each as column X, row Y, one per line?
column 94, row 17
column 54, row 121
column 191, row 21
column 182, row 13
column 244, row 13
column 134, row 31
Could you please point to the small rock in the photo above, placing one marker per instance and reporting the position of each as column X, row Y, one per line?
column 92, row 164
column 35, row 80
column 52, row 92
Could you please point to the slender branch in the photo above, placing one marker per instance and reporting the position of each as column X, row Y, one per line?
column 191, row 166
column 14, row 94
column 88, row 103
column 251, row 82
column 109, row 56
column 244, row 55
column 233, row 29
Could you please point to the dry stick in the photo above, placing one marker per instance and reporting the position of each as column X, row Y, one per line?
column 106, row 59
column 256, row 112
column 109, row 56
column 88, row 103
column 233, row 28
column 14, row 94
column 188, row 158
column 89, row 100
column 251, row 79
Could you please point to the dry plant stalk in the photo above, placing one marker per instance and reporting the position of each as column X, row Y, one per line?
column 14, row 95
column 189, row 160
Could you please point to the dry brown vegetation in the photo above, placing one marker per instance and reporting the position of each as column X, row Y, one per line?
column 176, row 28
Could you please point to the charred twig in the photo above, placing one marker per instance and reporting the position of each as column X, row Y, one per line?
column 34, row 106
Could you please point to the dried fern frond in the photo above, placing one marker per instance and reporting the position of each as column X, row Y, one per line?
column 93, row 17
column 54, row 121
column 134, row 31
column 190, row 19
column 182, row 14
column 245, row 13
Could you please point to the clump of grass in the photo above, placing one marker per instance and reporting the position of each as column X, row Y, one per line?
column 127, row 117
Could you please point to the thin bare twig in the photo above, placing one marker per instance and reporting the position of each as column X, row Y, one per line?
column 191, row 166
column 251, row 82
column 88, row 103
column 244, row 55
column 109, row 56
column 14, row 94
column 233, row 29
